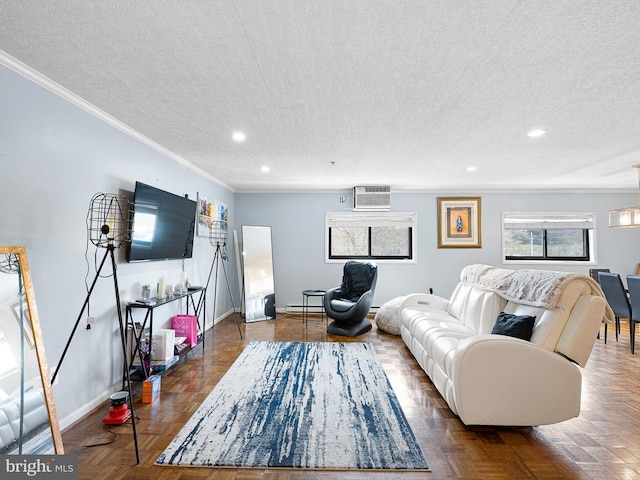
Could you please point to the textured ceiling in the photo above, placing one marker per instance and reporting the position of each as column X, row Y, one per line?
column 337, row 93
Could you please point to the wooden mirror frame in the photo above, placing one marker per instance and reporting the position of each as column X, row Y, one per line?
column 32, row 310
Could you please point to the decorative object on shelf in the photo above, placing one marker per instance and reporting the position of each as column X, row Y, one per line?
column 146, row 293
column 459, row 222
column 218, row 234
column 161, row 290
column 168, row 291
column 108, row 228
column 147, row 349
column 629, row 216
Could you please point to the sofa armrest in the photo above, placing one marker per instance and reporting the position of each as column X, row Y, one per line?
column 425, row 300
column 501, row 380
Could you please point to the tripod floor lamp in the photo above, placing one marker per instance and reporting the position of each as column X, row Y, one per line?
column 108, row 228
column 218, row 234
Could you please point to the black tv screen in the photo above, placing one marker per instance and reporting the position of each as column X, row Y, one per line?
column 163, row 225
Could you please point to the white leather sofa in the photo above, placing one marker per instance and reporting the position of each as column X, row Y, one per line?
column 496, row 379
column 35, row 413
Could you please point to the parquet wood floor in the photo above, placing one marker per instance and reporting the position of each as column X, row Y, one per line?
column 603, row 443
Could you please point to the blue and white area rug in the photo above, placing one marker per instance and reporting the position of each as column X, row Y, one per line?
column 300, row 405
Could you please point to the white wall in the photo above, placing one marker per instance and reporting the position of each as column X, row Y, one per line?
column 54, row 158
column 297, row 222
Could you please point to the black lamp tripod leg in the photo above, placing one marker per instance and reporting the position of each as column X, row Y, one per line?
column 124, row 352
column 109, row 251
column 216, row 260
column 75, row 327
column 224, row 269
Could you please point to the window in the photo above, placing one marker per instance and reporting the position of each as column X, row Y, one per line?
column 548, row 237
column 386, row 236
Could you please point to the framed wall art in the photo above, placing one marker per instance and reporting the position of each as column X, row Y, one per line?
column 210, row 212
column 459, row 222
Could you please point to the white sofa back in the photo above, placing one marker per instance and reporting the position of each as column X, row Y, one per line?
column 556, row 327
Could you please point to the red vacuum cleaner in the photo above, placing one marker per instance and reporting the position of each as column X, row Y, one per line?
column 119, row 411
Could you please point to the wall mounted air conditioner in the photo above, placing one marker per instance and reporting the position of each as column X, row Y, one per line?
column 371, row 198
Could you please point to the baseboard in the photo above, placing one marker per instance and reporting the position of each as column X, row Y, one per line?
column 318, row 309
column 88, row 408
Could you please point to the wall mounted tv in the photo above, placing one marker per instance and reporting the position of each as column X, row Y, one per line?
column 163, row 225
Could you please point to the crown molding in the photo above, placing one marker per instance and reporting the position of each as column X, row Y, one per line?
column 45, row 82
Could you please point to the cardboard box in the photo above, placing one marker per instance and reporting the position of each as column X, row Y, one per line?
column 151, row 388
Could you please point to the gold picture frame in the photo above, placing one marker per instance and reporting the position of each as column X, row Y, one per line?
column 459, row 222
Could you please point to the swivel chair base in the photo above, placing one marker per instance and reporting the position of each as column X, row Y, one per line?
column 349, row 329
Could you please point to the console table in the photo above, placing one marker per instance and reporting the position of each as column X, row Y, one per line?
column 198, row 307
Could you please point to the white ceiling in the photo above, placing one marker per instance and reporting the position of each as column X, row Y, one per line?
column 406, row 93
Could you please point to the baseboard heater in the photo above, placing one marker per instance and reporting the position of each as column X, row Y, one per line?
column 319, row 309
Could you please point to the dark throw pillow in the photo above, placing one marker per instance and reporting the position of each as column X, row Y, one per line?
column 518, row 326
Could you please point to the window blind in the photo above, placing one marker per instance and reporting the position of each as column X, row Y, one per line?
column 547, row 221
column 371, row 219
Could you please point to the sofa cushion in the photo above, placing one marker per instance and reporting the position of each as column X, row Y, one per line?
column 518, row 326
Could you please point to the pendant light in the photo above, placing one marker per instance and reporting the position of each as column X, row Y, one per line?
column 629, row 216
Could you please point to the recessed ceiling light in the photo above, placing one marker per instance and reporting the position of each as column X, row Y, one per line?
column 239, row 136
column 536, row 133
column 471, row 169
column 265, row 169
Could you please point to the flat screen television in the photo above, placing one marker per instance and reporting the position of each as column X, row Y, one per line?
column 163, row 225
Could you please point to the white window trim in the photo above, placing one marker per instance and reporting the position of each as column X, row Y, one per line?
column 546, row 220
column 373, row 219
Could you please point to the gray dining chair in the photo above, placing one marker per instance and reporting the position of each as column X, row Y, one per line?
column 633, row 284
column 594, row 272
column 616, row 296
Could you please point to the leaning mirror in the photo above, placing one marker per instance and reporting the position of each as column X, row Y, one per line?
column 259, row 290
column 28, row 420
